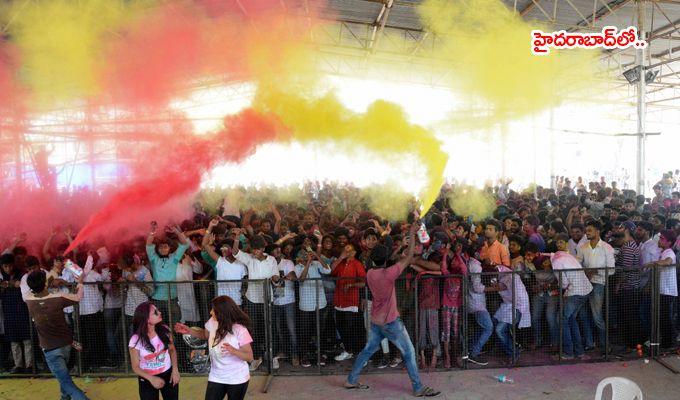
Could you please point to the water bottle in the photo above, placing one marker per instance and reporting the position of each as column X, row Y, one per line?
column 503, row 379
column 140, row 275
column 73, row 268
column 423, row 236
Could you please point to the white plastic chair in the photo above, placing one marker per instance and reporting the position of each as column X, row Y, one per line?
column 622, row 389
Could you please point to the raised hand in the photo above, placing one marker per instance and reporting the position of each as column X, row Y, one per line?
column 181, row 328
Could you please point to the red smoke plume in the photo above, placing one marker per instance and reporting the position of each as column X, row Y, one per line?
column 181, row 172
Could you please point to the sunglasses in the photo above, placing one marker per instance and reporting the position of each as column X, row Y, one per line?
column 156, row 312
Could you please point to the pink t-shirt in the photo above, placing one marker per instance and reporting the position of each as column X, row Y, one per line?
column 155, row 362
column 452, row 294
column 226, row 368
column 381, row 282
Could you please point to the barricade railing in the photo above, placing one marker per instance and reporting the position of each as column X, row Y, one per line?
column 319, row 325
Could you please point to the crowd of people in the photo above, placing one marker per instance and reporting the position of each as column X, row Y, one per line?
column 565, row 253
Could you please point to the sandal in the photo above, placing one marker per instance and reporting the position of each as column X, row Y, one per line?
column 359, row 386
column 427, row 392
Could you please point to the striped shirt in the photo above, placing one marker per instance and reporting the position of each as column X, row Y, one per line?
column 628, row 260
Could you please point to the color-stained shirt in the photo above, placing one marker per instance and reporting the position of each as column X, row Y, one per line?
column 347, row 269
column 381, row 282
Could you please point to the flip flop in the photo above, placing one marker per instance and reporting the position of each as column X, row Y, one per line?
column 427, row 392
column 357, row 386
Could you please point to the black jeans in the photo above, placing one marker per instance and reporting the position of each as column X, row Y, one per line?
column 628, row 306
column 352, row 332
column 148, row 392
column 217, row 391
column 92, row 335
column 666, row 328
column 256, row 313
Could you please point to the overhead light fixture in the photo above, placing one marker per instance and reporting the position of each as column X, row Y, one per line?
column 633, row 75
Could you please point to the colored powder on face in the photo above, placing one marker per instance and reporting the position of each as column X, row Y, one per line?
column 61, row 44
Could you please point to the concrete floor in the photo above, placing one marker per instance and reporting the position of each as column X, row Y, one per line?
column 573, row 382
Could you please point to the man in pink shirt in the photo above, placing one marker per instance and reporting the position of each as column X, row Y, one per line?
column 385, row 323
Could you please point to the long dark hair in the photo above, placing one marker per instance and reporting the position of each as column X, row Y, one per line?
column 227, row 313
column 141, row 329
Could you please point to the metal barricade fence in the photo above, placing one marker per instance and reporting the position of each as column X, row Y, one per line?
column 319, row 325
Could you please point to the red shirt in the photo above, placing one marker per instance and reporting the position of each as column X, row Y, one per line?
column 348, row 269
column 381, row 283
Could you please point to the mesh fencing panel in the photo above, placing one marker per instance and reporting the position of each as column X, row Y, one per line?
column 524, row 318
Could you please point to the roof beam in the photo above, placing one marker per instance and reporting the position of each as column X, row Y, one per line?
column 603, row 12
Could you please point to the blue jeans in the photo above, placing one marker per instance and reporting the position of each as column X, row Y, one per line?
column 284, row 315
column 483, row 319
column 544, row 304
column 594, row 317
column 113, row 332
column 571, row 335
column 504, row 334
column 57, row 360
column 396, row 333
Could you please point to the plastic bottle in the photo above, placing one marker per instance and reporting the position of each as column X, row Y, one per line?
column 503, row 379
column 73, row 268
column 423, row 236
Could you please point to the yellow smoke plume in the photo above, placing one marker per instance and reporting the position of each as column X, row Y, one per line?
column 490, row 49
column 470, row 201
column 61, row 43
column 388, row 201
column 383, row 131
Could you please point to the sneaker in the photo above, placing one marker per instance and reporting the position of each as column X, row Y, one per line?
column 476, row 360
column 583, row 357
column 382, row 364
column 255, row 364
column 305, row 363
column 427, row 392
column 395, row 362
column 343, row 356
column 275, row 363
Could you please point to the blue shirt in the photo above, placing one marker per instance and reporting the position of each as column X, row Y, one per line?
column 164, row 269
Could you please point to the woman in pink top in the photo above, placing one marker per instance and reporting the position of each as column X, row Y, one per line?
column 153, row 355
column 229, row 347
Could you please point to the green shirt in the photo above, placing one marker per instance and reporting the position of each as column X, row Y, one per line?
column 164, row 269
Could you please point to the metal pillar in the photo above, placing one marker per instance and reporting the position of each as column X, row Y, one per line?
column 641, row 105
column 552, row 149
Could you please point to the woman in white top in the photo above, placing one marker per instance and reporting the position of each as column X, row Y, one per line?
column 153, row 355
column 229, row 348
column 185, row 291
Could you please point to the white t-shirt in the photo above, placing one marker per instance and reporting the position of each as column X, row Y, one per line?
column 226, row 368
column 668, row 281
column 228, row 271
column 312, row 286
column 23, row 285
column 257, row 270
column 153, row 363
column 113, row 297
column 285, row 267
column 67, row 276
column 92, row 301
column 574, row 280
column 135, row 295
